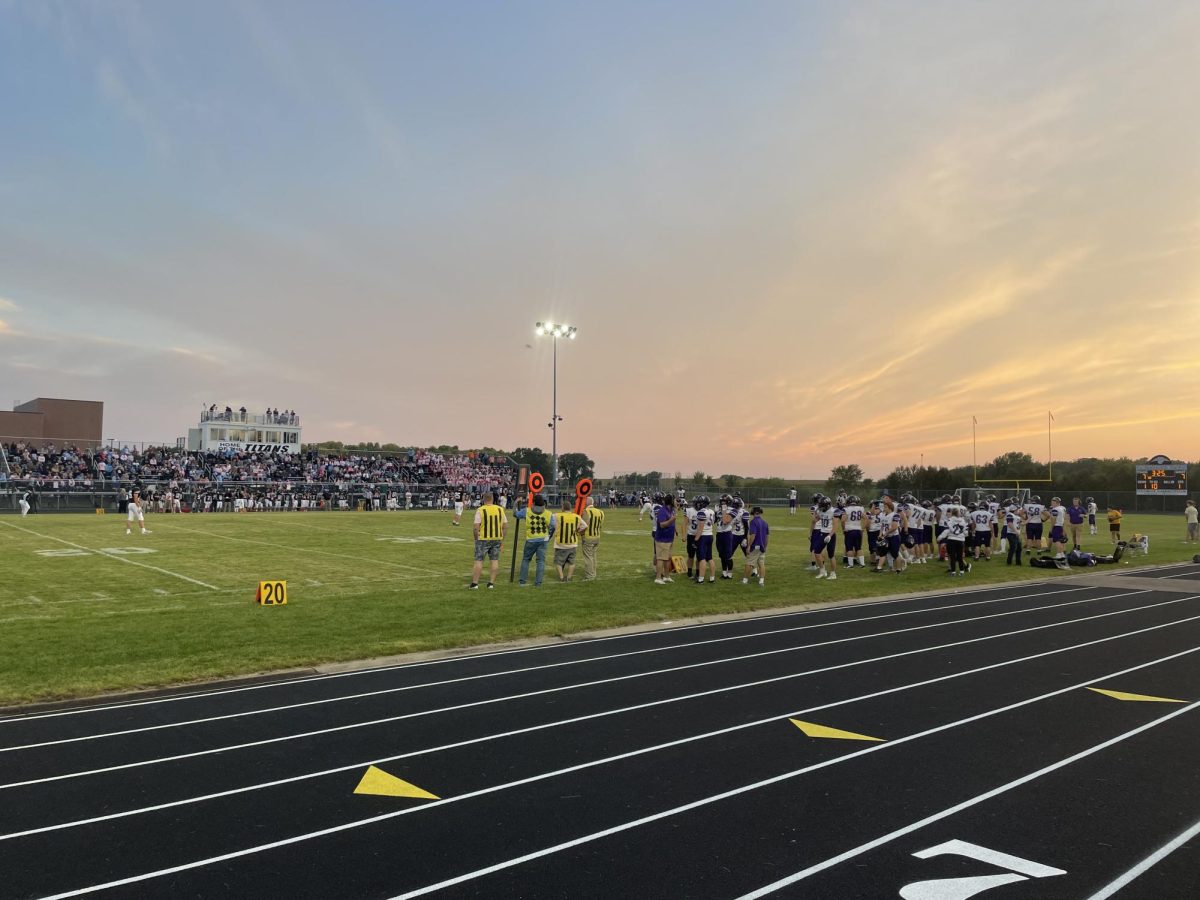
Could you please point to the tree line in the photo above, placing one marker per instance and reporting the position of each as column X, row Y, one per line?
column 1070, row 476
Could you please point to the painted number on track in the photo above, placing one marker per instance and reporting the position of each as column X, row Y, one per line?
column 963, row 888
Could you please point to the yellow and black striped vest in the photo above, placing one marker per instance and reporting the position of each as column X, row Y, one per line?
column 568, row 529
column 595, row 524
column 539, row 525
column 491, row 518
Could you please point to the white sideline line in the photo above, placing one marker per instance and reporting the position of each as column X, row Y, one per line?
column 115, row 556
column 601, row 681
column 572, row 662
column 959, row 807
column 283, row 842
column 367, row 559
column 558, row 645
column 592, row 716
column 1146, row 864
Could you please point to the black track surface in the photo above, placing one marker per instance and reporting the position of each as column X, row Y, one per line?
column 660, row 764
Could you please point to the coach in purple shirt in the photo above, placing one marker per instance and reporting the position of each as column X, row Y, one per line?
column 1075, row 514
column 756, row 547
column 664, row 540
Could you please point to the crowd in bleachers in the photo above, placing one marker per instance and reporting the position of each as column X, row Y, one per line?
column 70, row 468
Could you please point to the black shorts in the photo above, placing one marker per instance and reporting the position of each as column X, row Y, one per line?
column 1114, row 527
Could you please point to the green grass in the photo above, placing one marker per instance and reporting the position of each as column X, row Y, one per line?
column 91, row 623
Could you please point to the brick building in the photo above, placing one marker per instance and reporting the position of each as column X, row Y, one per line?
column 51, row 421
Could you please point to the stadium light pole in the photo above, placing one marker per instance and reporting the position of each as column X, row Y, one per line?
column 555, row 331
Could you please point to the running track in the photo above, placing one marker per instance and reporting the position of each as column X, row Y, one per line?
column 660, row 764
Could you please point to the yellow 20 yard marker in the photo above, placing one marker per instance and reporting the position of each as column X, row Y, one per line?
column 271, row 593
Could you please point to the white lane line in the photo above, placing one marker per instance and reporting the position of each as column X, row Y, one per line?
column 199, row 695
column 874, row 748
column 572, row 662
column 1146, row 864
column 571, row 687
column 959, row 807
column 1183, row 574
column 115, row 556
column 592, row 716
column 382, row 562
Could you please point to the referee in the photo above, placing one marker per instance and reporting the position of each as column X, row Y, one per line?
column 490, row 525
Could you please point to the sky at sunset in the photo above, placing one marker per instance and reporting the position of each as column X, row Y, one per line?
column 791, row 235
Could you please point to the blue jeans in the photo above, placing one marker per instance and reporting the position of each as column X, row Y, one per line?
column 534, row 548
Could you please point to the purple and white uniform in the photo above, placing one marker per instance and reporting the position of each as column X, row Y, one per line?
column 852, row 524
column 1058, row 517
column 1033, row 521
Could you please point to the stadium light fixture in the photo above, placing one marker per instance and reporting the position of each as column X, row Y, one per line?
column 555, row 331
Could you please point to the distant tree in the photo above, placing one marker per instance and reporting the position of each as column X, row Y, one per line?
column 573, row 466
column 536, row 458
column 1014, row 465
column 848, row 478
column 730, row 482
column 699, row 477
column 653, row 478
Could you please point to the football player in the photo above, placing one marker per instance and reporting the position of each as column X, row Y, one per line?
column 828, row 523
column 1033, row 522
column 852, row 530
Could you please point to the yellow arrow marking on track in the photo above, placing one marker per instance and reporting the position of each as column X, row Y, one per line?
column 824, row 731
column 380, row 783
column 1137, row 698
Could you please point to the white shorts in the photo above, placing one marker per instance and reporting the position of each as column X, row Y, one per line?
column 458, row 509
column 135, row 514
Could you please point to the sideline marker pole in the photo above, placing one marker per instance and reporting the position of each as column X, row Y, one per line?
column 522, row 475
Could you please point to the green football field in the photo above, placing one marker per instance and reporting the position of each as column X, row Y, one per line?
column 85, row 609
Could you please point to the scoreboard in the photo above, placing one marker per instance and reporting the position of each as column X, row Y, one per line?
column 1162, row 478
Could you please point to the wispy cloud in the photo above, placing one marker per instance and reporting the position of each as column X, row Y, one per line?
column 116, row 90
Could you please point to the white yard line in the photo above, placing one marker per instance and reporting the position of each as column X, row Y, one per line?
column 115, row 556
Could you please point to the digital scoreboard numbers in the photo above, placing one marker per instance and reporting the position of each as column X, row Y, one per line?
column 1162, row 477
